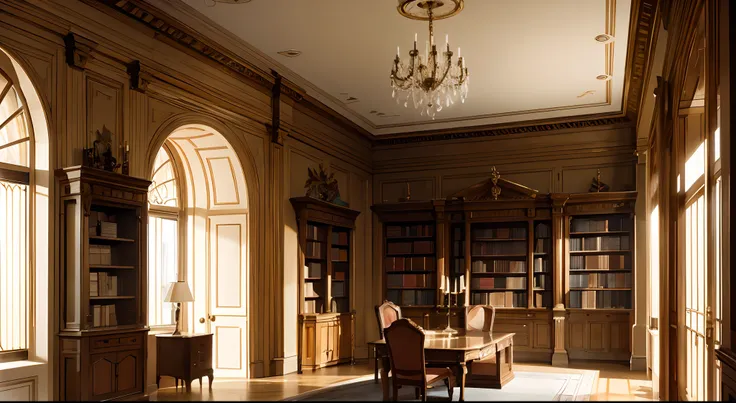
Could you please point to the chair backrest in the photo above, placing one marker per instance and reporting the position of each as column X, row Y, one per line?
column 480, row 317
column 405, row 341
column 386, row 314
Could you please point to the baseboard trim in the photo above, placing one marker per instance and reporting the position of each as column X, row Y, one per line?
column 638, row 363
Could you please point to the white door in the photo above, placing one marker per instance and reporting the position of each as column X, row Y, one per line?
column 227, row 314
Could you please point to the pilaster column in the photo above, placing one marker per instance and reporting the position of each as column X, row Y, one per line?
column 638, row 360
column 559, row 355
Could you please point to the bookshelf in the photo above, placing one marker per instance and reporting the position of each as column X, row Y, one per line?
column 104, row 269
column 499, row 269
column 326, row 267
column 409, row 263
column 600, row 274
column 542, row 270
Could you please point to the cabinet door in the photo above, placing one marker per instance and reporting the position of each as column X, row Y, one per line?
column 128, row 372
column 597, row 336
column 346, row 337
column 620, row 336
column 102, row 372
column 324, row 330
column 542, row 336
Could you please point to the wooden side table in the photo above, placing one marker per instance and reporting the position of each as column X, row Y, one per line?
column 186, row 356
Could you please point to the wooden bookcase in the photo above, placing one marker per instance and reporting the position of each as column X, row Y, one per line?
column 514, row 252
column 326, row 266
column 102, row 335
column 599, row 274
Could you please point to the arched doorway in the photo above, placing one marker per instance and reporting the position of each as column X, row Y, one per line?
column 198, row 224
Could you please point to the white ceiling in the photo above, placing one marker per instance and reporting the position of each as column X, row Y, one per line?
column 527, row 59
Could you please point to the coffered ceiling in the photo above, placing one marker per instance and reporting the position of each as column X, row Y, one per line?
column 529, row 60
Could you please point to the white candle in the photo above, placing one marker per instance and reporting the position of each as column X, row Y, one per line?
column 458, row 53
column 447, row 42
column 397, row 51
column 447, row 285
column 462, row 283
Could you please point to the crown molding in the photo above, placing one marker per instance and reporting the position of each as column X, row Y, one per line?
column 171, row 30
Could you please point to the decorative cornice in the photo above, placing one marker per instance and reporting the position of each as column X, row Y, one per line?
column 139, row 79
column 640, row 41
column 500, row 131
column 185, row 37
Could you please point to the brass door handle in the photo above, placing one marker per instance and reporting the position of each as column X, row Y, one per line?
column 201, row 320
column 211, row 317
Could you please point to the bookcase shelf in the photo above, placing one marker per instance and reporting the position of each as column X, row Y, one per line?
column 112, row 297
column 326, row 268
column 110, row 267
column 99, row 238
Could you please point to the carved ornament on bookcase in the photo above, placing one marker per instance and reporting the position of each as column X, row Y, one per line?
column 499, row 213
column 582, row 208
column 531, row 212
column 139, row 78
column 490, row 190
column 78, row 50
column 86, row 193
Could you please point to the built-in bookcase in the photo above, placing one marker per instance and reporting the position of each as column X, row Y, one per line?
column 340, row 259
column 315, row 268
column 499, row 254
column 600, row 266
column 409, row 263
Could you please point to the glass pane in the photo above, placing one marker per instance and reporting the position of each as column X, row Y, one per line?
column 163, row 190
column 695, row 166
column 13, row 266
column 16, row 154
column 162, row 268
column 654, row 259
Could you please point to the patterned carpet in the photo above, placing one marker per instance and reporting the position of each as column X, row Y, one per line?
column 537, row 386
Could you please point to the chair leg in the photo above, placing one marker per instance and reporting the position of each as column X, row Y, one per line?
column 450, row 387
column 416, row 393
column 396, row 393
column 424, row 393
column 375, row 373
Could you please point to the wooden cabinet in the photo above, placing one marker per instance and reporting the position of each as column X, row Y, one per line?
column 327, row 339
column 103, row 218
column 727, row 359
column 326, row 267
column 185, row 356
column 598, row 335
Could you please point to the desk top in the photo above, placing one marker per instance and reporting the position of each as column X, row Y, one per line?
column 462, row 341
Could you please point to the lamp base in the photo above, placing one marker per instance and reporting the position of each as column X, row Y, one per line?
column 176, row 329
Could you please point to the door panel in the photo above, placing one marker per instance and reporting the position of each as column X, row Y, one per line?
column 227, row 312
column 103, row 375
column 128, row 364
column 695, row 299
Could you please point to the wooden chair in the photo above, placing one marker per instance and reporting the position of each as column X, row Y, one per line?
column 405, row 341
column 479, row 318
column 386, row 314
column 483, row 372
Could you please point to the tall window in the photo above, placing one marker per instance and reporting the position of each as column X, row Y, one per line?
column 15, row 143
column 163, row 238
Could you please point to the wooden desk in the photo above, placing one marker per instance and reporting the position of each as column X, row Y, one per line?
column 458, row 352
column 186, row 356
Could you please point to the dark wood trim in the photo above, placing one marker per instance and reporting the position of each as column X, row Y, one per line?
column 14, row 355
column 9, row 175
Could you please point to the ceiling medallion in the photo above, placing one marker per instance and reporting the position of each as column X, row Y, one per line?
column 429, row 79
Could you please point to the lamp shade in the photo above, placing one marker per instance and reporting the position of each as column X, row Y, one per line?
column 179, row 292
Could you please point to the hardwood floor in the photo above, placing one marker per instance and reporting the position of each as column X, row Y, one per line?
column 615, row 382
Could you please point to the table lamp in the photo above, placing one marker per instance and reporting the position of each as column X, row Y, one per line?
column 178, row 292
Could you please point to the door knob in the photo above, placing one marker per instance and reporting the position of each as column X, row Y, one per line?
column 211, row 317
column 201, row 320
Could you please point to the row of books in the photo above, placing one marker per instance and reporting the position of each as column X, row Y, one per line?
column 600, row 299
column 395, row 263
column 486, row 283
column 339, row 238
column 418, row 247
column 500, row 233
column 600, row 280
column 314, row 250
column 499, row 248
column 338, row 274
column 542, row 245
column 102, row 285
column 542, row 231
column 340, row 255
column 498, row 266
column 600, row 224
column 316, row 233
column 503, row 299
column 543, row 299
column 409, row 230
column 543, row 281
column 458, row 248
column 313, row 306
column 313, row 270
column 102, row 224
column 411, row 297
column 338, row 289
column 100, row 255
column 600, row 243
column 104, row 315
column 542, row 265
column 410, row 280
column 598, row 262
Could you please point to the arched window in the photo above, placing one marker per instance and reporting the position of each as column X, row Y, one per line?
column 15, row 170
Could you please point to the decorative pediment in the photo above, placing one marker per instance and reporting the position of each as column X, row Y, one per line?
column 496, row 188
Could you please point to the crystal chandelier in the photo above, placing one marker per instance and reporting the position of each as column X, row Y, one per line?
column 431, row 80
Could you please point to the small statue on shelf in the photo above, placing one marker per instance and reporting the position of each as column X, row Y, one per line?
column 597, row 185
column 100, row 155
column 321, row 186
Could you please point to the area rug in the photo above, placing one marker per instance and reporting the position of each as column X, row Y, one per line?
column 539, row 386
